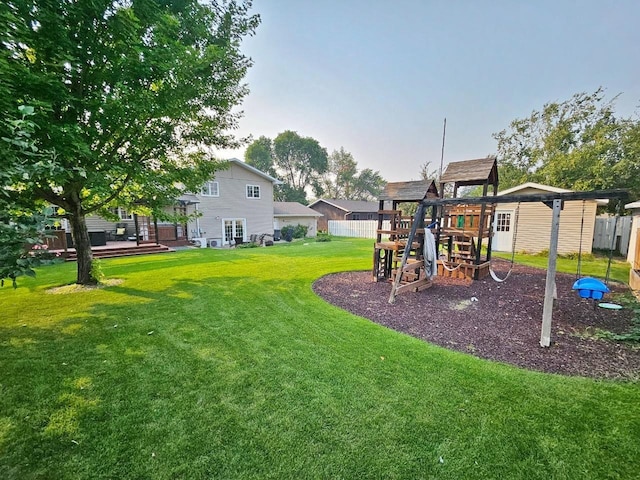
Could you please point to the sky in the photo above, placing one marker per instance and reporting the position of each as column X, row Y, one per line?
column 379, row 77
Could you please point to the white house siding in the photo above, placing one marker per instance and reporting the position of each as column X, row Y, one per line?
column 232, row 203
column 534, row 225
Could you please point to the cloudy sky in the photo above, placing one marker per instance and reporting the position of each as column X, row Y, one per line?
column 379, row 77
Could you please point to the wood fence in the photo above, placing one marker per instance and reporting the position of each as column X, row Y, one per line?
column 603, row 233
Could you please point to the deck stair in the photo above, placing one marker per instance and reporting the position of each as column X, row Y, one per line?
column 142, row 249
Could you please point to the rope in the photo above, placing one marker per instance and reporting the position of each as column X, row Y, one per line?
column 613, row 243
column 444, row 265
column 513, row 250
column 579, row 268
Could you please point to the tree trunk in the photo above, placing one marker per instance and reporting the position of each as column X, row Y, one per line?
column 83, row 248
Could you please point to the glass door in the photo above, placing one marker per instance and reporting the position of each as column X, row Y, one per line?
column 234, row 228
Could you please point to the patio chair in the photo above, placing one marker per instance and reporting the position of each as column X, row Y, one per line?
column 121, row 231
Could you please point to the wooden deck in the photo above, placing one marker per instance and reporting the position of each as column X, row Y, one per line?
column 117, row 249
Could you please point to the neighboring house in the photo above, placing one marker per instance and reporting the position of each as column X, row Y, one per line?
column 533, row 229
column 332, row 209
column 235, row 204
column 294, row 213
column 633, row 255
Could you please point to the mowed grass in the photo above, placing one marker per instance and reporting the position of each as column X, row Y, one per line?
column 225, row 364
column 592, row 265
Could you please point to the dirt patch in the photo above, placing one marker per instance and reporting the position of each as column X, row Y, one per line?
column 75, row 288
column 498, row 321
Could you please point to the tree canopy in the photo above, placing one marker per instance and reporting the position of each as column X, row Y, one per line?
column 298, row 161
column 343, row 180
column 578, row 144
column 129, row 98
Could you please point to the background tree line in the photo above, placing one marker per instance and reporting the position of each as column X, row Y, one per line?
column 577, row 144
column 306, row 168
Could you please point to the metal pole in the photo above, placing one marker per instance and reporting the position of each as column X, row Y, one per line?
column 444, row 132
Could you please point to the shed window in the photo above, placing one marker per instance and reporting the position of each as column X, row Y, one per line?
column 503, row 223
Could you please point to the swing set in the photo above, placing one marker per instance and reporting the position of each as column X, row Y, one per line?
column 586, row 286
column 593, row 288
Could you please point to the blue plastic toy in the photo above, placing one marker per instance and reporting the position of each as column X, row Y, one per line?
column 589, row 287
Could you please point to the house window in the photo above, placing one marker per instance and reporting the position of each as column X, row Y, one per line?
column 121, row 213
column 210, row 189
column 503, row 222
column 253, row 191
column 369, row 216
column 356, row 216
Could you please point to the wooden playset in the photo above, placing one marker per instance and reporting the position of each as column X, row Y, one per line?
column 459, row 229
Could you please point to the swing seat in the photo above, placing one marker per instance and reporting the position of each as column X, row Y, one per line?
column 589, row 287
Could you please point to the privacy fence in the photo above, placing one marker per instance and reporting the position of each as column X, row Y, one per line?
column 603, row 233
column 356, row 228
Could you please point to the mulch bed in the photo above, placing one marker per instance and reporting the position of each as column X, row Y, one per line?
column 498, row 321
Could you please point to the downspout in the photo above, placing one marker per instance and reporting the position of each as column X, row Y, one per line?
column 197, row 221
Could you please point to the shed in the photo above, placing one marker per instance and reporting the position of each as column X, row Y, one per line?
column 533, row 228
column 294, row 213
column 337, row 209
column 633, row 255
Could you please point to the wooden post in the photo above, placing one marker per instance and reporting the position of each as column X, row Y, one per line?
column 407, row 249
column 137, row 228
column 550, row 285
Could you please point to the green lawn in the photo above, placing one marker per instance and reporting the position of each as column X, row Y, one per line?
column 224, row 364
column 591, row 265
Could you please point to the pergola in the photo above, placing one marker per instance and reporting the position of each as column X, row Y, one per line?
column 553, row 200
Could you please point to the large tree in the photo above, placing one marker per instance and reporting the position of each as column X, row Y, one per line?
column 121, row 90
column 298, row 161
column 577, row 144
column 343, row 180
column 259, row 154
column 301, row 161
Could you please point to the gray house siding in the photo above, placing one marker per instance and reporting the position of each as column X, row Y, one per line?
column 232, row 204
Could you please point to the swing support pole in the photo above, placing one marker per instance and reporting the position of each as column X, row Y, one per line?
column 550, row 285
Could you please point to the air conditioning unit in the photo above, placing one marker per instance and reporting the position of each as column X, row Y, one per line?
column 215, row 242
column 200, row 242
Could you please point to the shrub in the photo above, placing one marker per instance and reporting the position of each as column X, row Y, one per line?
column 289, row 232
column 300, row 231
column 323, row 237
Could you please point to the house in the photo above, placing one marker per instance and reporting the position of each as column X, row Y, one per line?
column 333, row 209
column 235, row 204
column 633, row 255
column 294, row 213
column 529, row 223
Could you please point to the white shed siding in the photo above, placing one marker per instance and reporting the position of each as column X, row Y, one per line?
column 534, row 226
column 232, row 203
column 635, row 238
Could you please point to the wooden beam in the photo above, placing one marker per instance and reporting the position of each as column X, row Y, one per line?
column 532, row 197
column 550, row 285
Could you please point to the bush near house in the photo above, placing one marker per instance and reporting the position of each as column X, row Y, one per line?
column 289, row 232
